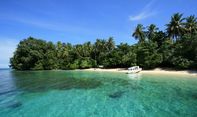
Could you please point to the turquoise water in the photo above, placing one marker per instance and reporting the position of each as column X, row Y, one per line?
column 96, row 94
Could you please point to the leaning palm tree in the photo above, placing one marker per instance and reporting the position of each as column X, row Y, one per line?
column 152, row 29
column 175, row 28
column 191, row 24
column 139, row 33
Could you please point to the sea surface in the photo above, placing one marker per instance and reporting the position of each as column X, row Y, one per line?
column 96, row 94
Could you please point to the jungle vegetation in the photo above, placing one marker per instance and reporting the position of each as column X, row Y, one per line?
column 175, row 47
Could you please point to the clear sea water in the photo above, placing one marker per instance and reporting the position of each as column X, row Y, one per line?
column 96, row 94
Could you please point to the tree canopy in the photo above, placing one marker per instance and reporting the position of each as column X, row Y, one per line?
column 176, row 47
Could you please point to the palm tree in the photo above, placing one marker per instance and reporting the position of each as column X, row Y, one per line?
column 175, row 28
column 139, row 33
column 191, row 24
column 110, row 44
column 152, row 29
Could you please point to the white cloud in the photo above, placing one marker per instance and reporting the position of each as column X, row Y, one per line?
column 7, row 47
column 47, row 24
column 145, row 13
column 142, row 15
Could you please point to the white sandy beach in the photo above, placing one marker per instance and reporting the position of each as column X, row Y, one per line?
column 154, row 71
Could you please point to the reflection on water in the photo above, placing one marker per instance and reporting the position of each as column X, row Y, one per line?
column 45, row 82
column 136, row 76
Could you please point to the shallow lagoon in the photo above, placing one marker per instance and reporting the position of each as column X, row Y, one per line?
column 96, row 94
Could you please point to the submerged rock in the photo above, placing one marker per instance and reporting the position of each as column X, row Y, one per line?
column 117, row 94
column 194, row 96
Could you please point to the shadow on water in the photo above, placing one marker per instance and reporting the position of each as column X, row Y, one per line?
column 39, row 82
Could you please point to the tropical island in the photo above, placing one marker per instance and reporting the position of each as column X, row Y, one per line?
column 101, row 58
column 175, row 47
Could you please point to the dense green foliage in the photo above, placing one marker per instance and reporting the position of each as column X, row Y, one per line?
column 175, row 48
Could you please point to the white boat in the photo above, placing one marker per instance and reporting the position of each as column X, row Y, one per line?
column 134, row 69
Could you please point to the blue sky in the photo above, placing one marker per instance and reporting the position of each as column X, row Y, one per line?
column 78, row 21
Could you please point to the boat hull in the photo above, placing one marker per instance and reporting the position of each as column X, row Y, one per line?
column 134, row 71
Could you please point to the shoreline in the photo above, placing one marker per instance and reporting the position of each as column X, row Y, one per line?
column 154, row 71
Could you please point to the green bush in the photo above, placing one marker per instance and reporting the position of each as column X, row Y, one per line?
column 181, row 63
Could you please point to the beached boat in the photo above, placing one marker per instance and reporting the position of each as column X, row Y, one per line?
column 134, row 69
